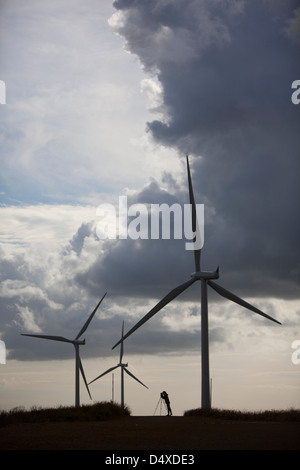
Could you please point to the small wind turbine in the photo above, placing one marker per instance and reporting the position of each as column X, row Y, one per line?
column 76, row 342
column 205, row 278
column 123, row 368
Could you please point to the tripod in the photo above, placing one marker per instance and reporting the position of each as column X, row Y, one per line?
column 160, row 402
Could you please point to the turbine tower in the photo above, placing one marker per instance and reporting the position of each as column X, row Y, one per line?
column 123, row 367
column 76, row 342
column 205, row 278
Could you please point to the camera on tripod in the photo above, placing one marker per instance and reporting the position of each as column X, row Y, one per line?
column 164, row 398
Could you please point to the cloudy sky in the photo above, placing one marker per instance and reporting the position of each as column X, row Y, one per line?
column 105, row 99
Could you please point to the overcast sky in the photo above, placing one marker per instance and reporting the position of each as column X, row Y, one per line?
column 105, row 99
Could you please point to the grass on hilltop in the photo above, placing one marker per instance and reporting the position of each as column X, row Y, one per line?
column 101, row 411
column 271, row 415
column 104, row 411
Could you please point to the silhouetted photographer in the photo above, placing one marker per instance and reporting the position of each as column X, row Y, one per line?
column 165, row 397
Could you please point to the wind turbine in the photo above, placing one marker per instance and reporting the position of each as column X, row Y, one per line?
column 123, row 368
column 76, row 342
column 205, row 278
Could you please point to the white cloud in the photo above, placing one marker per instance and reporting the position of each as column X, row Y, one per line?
column 72, row 118
column 27, row 320
column 42, row 225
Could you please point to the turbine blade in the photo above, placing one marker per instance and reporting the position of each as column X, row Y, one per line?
column 54, row 338
column 134, row 377
column 104, row 373
column 230, row 296
column 89, row 319
column 195, row 227
column 84, row 379
column 170, row 296
column 122, row 344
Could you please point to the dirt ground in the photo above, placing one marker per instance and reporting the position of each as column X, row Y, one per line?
column 153, row 433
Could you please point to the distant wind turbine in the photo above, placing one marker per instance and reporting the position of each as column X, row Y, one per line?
column 76, row 342
column 205, row 278
column 123, row 368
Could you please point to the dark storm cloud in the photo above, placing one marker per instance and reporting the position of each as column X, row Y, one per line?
column 226, row 70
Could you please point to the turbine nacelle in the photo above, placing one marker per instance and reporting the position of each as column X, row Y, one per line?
column 121, row 364
column 80, row 342
column 205, row 275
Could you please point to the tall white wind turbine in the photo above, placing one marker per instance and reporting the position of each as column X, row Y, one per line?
column 205, row 278
column 76, row 342
column 123, row 367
